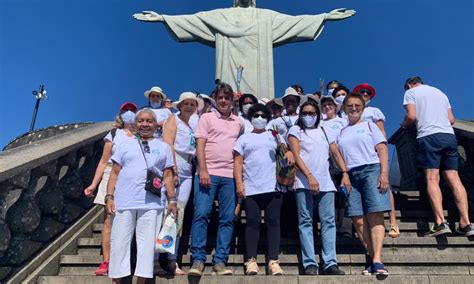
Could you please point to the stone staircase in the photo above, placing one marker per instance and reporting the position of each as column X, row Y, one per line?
column 411, row 258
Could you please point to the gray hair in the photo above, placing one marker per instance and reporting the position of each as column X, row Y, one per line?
column 146, row 110
column 253, row 3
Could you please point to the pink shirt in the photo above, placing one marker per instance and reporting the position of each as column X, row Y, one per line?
column 220, row 134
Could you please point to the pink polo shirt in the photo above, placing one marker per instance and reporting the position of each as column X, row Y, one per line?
column 221, row 134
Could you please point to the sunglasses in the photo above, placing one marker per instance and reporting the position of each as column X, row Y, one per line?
column 305, row 113
column 364, row 91
column 257, row 115
column 146, row 147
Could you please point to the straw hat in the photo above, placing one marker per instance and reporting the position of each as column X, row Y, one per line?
column 156, row 90
column 189, row 96
column 291, row 92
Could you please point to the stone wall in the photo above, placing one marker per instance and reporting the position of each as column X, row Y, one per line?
column 41, row 190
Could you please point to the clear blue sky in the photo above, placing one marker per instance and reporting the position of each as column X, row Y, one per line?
column 92, row 55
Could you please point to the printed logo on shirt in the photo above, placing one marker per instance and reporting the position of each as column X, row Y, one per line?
column 156, row 152
column 360, row 131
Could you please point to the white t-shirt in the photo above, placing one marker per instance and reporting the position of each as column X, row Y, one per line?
column 334, row 125
column 161, row 115
column 258, row 151
column 314, row 150
column 185, row 145
column 247, row 123
column 431, row 110
column 372, row 114
column 130, row 188
column 120, row 136
column 282, row 124
column 357, row 144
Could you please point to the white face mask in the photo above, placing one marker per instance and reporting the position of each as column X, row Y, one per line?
column 155, row 105
column 330, row 92
column 309, row 120
column 246, row 107
column 340, row 99
column 128, row 117
column 259, row 122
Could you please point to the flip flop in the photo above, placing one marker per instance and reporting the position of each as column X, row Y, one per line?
column 379, row 269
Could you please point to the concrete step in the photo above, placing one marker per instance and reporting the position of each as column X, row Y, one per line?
column 341, row 250
column 354, row 270
column 343, row 259
column 286, row 279
column 404, row 226
column 388, row 242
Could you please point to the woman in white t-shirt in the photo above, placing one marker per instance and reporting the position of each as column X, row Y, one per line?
column 124, row 123
column 136, row 210
column 246, row 101
column 178, row 132
column 310, row 145
column 291, row 101
column 333, row 123
column 364, row 149
column 376, row 116
column 255, row 180
column 156, row 98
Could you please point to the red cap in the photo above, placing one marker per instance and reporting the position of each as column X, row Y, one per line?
column 128, row 106
column 367, row 87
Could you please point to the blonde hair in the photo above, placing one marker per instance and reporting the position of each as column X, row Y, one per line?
column 118, row 122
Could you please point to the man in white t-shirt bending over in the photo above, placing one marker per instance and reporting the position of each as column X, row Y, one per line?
column 436, row 149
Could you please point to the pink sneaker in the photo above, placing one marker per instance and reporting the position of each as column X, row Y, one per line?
column 103, row 269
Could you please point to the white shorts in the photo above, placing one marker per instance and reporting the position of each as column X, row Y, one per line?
column 102, row 190
column 125, row 222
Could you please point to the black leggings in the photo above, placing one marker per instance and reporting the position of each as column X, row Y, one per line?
column 271, row 204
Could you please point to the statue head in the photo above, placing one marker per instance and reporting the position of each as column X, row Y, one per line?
column 245, row 3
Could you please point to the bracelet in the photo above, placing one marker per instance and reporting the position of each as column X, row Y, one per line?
column 172, row 202
column 107, row 197
column 172, row 199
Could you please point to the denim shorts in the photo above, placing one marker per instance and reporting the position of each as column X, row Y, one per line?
column 437, row 151
column 365, row 197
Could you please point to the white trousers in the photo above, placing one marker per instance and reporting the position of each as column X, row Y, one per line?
column 125, row 222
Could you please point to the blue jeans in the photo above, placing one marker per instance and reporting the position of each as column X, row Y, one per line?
column 365, row 197
column 325, row 203
column 224, row 187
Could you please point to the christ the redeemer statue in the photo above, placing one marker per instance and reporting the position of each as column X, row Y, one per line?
column 245, row 35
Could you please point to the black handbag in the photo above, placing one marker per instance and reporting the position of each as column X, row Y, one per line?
column 333, row 167
column 153, row 181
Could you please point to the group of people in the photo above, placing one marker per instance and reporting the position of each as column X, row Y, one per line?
column 229, row 143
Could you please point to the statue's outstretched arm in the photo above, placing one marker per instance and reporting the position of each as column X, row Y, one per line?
column 339, row 14
column 148, row 16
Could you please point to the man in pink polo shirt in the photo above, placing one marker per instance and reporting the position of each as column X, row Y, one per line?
column 215, row 136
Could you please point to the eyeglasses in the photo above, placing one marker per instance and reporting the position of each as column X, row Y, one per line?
column 305, row 113
column 364, row 91
column 146, row 147
column 358, row 107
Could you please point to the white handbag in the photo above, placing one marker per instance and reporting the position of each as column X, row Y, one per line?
column 166, row 240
